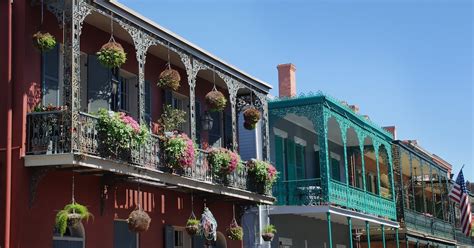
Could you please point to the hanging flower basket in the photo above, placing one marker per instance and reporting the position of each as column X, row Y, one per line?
column 192, row 226
column 251, row 117
column 138, row 221
column 235, row 232
column 262, row 175
column 179, row 151
column 44, row 41
column 71, row 215
column 169, row 79
column 112, row 54
column 216, row 101
column 223, row 162
column 268, row 232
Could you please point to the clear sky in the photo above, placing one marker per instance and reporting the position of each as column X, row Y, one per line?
column 405, row 63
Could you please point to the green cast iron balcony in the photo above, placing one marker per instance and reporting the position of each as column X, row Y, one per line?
column 428, row 225
column 462, row 240
column 308, row 192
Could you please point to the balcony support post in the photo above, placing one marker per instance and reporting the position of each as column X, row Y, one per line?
column 328, row 214
column 265, row 127
column 73, row 14
column 322, row 125
column 376, row 150
column 397, row 240
column 349, row 222
column 344, row 126
column 367, row 231
column 383, row 236
column 390, row 171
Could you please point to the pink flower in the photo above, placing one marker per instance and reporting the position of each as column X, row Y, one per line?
column 271, row 172
column 130, row 121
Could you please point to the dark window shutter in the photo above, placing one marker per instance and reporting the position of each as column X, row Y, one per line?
column 198, row 122
column 279, row 156
column 147, row 102
column 318, row 164
column 99, row 89
column 228, row 130
column 123, row 237
column 50, row 77
column 67, row 244
column 198, row 241
column 291, row 166
column 335, row 169
column 215, row 132
column 168, row 97
column 169, row 236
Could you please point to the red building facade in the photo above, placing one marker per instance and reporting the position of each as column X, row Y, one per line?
column 38, row 164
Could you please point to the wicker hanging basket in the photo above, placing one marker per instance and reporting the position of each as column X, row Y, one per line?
column 138, row 221
column 44, row 41
column 216, row 101
column 169, row 79
column 235, row 232
column 112, row 54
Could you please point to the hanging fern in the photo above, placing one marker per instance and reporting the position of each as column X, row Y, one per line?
column 71, row 215
column 44, row 41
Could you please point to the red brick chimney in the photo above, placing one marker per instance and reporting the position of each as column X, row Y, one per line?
column 392, row 130
column 286, row 80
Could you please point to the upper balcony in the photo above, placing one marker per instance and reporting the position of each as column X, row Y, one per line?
column 327, row 154
column 72, row 77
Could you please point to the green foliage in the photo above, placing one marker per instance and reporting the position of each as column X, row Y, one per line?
column 235, row 233
column 44, row 41
column 262, row 172
column 223, row 161
column 119, row 131
column 112, row 55
column 192, row 222
column 179, row 151
column 269, row 229
column 169, row 79
column 171, row 119
column 216, row 101
column 62, row 215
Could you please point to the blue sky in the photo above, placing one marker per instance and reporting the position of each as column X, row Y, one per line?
column 405, row 63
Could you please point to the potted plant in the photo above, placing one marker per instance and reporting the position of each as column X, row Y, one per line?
column 192, row 226
column 235, row 232
column 268, row 232
column 119, row 133
column 262, row 174
column 71, row 215
column 251, row 117
column 169, row 79
column 112, row 54
column 179, row 151
column 44, row 41
column 171, row 119
column 138, row 221
column 215, row 101
column 223, row 162
column 41, row 108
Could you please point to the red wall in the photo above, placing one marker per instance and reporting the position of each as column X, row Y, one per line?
column 33, row 227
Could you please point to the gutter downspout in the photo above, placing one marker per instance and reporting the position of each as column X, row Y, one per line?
column 8, row 157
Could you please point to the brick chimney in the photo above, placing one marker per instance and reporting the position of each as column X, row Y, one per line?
column 286, row 80
column 392, row 130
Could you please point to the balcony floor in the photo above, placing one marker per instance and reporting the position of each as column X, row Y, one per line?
column 101, row 165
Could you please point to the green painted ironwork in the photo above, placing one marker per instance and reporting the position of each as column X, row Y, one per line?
column 349, row 222
column 397, row 239
column 329, row 229
column 367, row 231
column 306, row 192
column 383, row 236
column 427, row 224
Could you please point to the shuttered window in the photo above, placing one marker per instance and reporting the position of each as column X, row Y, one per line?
column 123, row 237
column 99, row 89
column 291, row 160
column 300, row 161
column 50, row 77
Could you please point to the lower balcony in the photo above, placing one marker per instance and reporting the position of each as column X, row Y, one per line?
column 308, row 192
column 462, row 240
column 47, row 145
column 427, row 225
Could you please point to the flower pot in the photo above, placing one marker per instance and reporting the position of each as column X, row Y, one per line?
column 235, row 233
column 169, row 79
column 44, row 41
column 268, row 236
column 73, row 219
column 216, row 101
column 138, row 221
column 192, row 229
column 112, row 55
column 251, row 117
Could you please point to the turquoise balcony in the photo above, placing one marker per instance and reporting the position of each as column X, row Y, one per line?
column 328, row 154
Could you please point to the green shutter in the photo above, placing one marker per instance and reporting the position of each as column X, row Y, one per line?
column 300, row 161
column 291, row 160
column 336, row 171
column 279, row 156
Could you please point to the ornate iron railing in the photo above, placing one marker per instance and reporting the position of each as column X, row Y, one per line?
column 305, row 192
column 462, row 240
column 428, row 224
column 46, row 135
column 354, row 198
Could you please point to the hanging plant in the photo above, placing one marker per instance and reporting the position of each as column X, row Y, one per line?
column 112, row 54
column 169, row 79
column 234, row 232
column 216, row 101
column 71, row 215
column 138, row 221
column 223, row 162
column 268, row 232
column 192, row 226
column 263, row 174
column 179, row 151
column 208, row 225
column 251, row 117
column 44, row 41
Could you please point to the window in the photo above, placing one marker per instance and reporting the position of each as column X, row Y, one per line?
column 123, row 237
column 300, row 161
column 73, row 238
column 181, row 102
column 177, row 237
column 51, row 77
